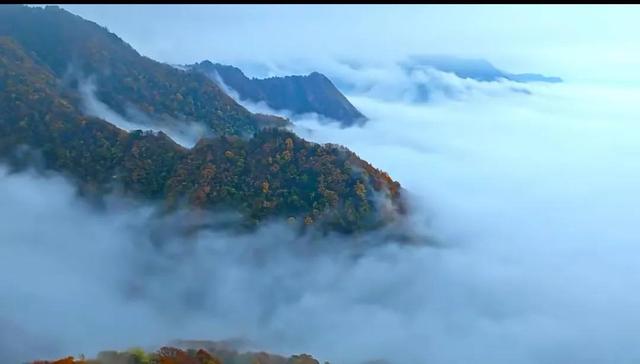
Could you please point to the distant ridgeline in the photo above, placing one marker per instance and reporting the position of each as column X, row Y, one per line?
column 260, row 171
column 477, row 69
column 313, row 93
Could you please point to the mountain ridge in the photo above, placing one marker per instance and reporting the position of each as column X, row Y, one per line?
column 477, row 69
column 73, row 47
column 300, row 94
column 273, row 173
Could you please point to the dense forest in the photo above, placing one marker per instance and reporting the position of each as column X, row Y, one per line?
column 171, row 355
column 260, row 171
column 72, row 47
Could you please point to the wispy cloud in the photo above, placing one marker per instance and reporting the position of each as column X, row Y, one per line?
column 184, row 132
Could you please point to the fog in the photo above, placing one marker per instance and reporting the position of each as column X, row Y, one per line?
column 78, row 279
column 523, row 198
column 183, row 132
column 527, row 203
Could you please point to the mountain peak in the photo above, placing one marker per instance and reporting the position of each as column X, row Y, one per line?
column 318, row 75
column 313, row 93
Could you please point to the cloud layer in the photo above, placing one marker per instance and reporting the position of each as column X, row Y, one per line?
column 531, row 199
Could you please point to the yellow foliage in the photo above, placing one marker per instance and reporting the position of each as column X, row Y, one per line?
column 361, row 190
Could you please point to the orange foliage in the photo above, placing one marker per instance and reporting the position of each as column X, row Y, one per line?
column 67, row 360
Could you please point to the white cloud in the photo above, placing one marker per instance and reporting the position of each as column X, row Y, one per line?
column 532, row 200
column 183, row 132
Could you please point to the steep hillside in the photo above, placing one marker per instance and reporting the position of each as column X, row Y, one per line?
column 273, row 173
column 72, row 48
column 313, row 93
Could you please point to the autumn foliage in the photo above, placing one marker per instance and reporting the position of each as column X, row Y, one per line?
column 70, row 45
column 172, row 355
column 273, row 173
column 261, row 172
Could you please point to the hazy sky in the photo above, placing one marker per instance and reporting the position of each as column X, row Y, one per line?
column 596, row 42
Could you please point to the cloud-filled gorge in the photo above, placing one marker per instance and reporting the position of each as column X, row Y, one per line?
column 531, row 198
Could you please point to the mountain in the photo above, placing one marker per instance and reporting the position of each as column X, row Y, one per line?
column 269, row 173
column 477, row 69
column 313, row 93
column 72, row 48
column 533, row 77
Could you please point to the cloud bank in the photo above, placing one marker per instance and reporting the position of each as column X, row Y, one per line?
column 387, row 81
column 531, row 198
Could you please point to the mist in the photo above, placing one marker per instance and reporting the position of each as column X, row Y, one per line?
column 527, row 203
column 574, row 41
column 377, row 80
column 184, row 132
column 523, row 200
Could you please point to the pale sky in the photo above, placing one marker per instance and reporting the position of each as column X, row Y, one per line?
column 589, row 41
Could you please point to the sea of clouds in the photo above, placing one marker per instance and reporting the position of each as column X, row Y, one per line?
column 531, row 198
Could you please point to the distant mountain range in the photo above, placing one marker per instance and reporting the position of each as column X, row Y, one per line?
column 313, row 93
column 249, row 165
column 477, row 69
column 416, row 79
